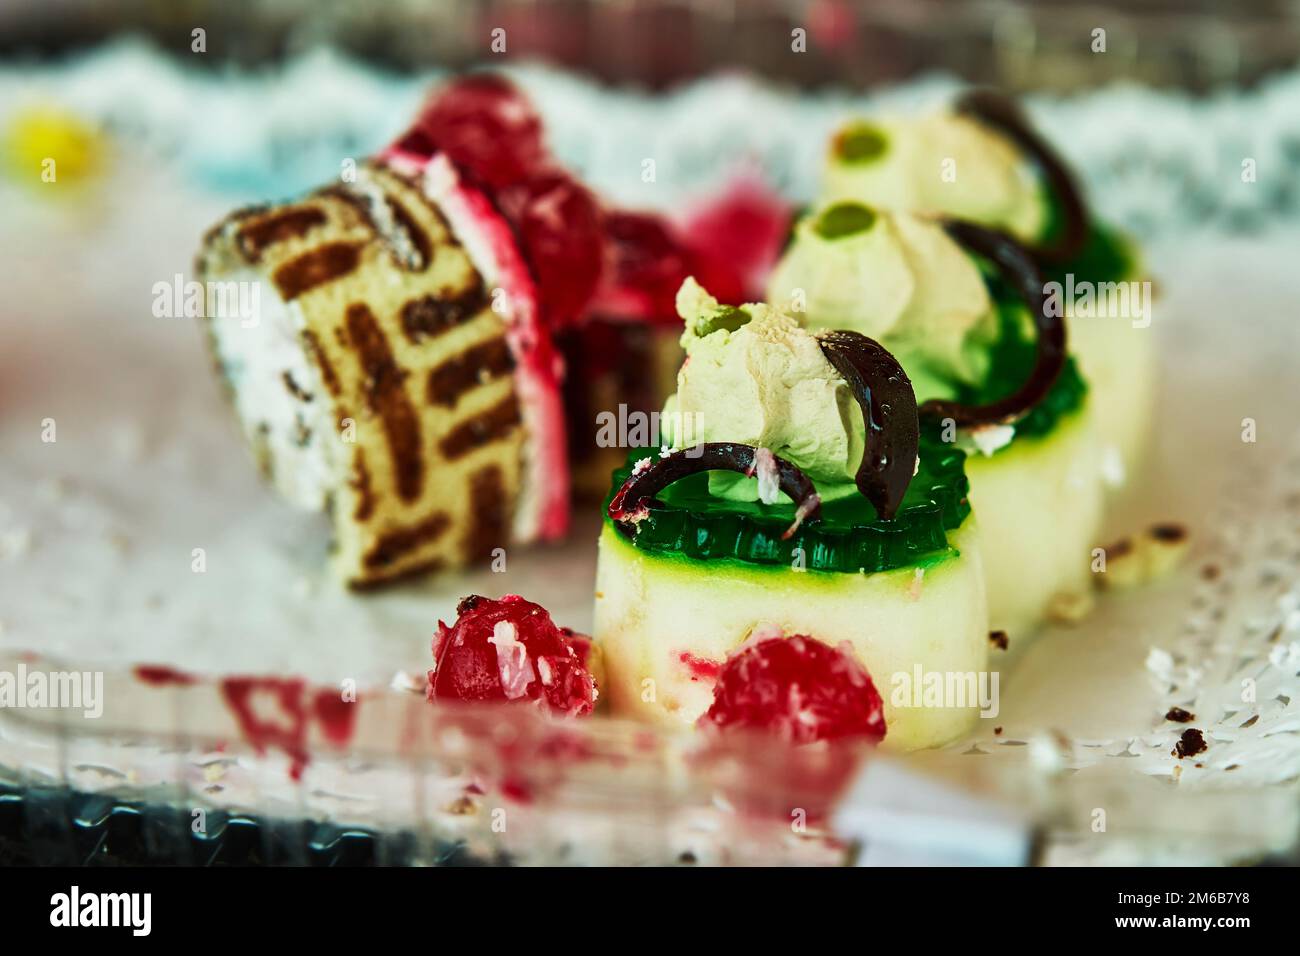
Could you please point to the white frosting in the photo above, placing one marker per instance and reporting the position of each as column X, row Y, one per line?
column 299, row 434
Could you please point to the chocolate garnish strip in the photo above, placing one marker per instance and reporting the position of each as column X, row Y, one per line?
column 888, row 402
column 629, row 503
column 1016, row 265
column 1004, row 115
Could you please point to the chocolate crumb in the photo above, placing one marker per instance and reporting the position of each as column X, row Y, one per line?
column 999, row 639
column 1120, row 548
column 997, row 731
column 295, row 389
column 1191, row 743
column 1168, row 532
column 1180, row 716
column 469, row 603
column 1210, row 572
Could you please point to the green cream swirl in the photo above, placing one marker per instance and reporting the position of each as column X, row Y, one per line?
column 896, row 278
column 756, row 375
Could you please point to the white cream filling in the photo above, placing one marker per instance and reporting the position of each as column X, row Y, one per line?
column 298, row 435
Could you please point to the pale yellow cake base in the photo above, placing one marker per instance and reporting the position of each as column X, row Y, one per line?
column 1039, row 504
column 1119, row 363
column 652, row 609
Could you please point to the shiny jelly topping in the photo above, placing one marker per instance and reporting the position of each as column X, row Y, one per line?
column 798, row 688
column 630, row 503
column 684, row 521
column 510, row 650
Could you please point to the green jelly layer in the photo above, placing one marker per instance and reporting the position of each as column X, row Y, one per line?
column 1011, row 360
column 850, row 538
column 1107, row 254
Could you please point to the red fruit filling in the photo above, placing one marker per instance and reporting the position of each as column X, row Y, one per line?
column 738, row 236
column 647, row 267
column 510, row 650
column 561, row 233
column 798, row 688
column 586, row 260
column 485, row 126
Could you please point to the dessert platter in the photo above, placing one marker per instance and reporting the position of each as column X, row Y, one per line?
column 648, row 526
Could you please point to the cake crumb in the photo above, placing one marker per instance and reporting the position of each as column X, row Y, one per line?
column 999, row 639
column 1141, row 559
column 1191, row 743
column 1070, row 608
column 1180, row 716
column 462, row 807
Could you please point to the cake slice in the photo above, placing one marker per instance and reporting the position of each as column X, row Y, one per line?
column 394, row 374
column 778, row 512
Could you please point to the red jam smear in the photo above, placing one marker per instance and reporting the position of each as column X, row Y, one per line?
column 701, row 668
column 798, row 688
column 297, row 706
column 160, row 675
column 510, row 650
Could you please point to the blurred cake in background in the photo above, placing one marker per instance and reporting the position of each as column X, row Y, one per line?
column 983, row 160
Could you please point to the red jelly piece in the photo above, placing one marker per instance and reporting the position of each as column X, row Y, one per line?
column 509, row 650
column 485, row 126
column 737, row 238
column 799, row 688
column 561, row 233
column 647, row 263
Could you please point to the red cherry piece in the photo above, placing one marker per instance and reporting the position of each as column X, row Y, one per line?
column 647, row 263
column 798, row 688
column 485, row 126
column 737, row 238
column 561, row 234
column 509, row 650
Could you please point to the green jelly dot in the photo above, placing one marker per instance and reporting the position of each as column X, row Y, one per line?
column 844, row 219
column 861, row 143
column 728, row 317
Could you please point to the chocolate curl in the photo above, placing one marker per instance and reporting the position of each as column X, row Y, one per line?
column 630, row 504
column 885, row 395
column 1017, row 267
column 1005, row 115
